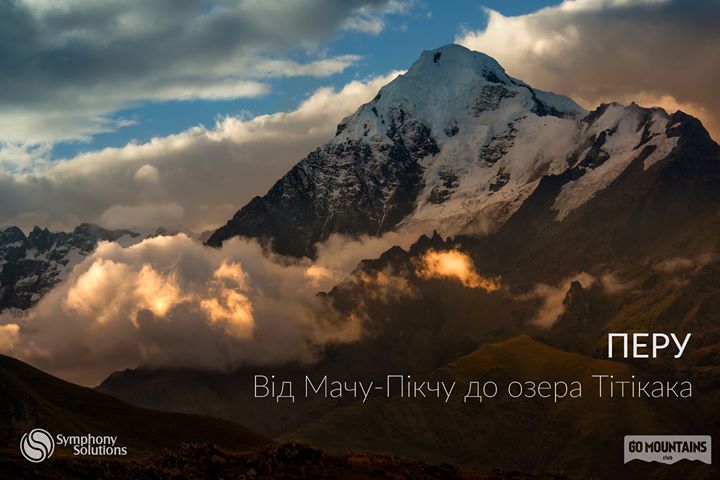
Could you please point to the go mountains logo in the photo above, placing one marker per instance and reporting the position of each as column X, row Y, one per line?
column 38, row 445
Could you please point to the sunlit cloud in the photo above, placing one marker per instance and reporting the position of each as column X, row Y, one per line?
column 613, row 284
column 227, row 302
column 8, row 337
column 169, row 301
column 456, row 265
column 654, row 52
column 385, row 286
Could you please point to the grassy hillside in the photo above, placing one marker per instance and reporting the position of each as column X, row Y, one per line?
column 30, row 398
column 171, row 445
column 581, row 436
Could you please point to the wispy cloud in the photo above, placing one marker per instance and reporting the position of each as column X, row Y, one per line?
column 553, row 298
column 371, row 19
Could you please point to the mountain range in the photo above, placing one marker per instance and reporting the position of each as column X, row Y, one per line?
column 31, row 265
column 589, row 222
column 594, row 222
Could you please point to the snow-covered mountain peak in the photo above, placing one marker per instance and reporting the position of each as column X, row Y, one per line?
column 457, row 65
column 456, row 145
column 445, row 88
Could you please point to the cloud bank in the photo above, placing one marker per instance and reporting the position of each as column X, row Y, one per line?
column 654, row 52
column 169, row 301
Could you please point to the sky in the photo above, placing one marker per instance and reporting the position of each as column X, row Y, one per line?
column 177, row 112
column 389, row 42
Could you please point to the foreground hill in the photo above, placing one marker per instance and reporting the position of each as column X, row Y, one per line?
column 31, row 399
column 289, row 462
column 171, row 445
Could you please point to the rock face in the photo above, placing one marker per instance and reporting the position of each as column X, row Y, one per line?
column 456, row 145
column 31, row 265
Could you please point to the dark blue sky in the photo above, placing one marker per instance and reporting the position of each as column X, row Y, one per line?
column 430, row 24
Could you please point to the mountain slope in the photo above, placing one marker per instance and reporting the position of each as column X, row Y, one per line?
column 31, row 399
column 649, row 212
column 170, row 445
column 455, row 145
column 371, row 176
column 493, row 433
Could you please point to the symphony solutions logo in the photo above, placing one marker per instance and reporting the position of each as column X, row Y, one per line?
column 38, row 445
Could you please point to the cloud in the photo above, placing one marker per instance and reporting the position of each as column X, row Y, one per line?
column 206, row 173
column 553, row 298
column 612, row 284
column 169, row 301
column 456, row 265
column 384, row 286
column 680, row 264
column 145, row 216
column 147, row 174
column 657, row 52
column 8, row 336
column 318, row 68
column 67, row 65
column 342, row 253
column 673, row 265
column 370, row 19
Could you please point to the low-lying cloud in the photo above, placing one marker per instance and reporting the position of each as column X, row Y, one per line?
column 683, row 264
column 169, row 301
column 455, row 265
column 172, row 302
column 553, row 298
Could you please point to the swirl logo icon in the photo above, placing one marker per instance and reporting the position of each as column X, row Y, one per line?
column 37, row 446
